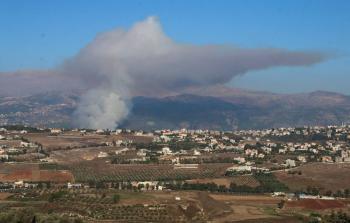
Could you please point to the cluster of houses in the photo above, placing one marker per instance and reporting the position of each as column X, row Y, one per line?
column 324, row 144
column 13, row 146
column 5, row 186
column 244, row 148
column 293, row 196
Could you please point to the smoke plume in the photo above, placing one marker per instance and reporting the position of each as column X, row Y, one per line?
column 120, row 64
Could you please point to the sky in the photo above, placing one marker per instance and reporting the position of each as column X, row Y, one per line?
column 43, row 34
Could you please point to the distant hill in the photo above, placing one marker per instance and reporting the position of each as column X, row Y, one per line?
column 48, row 109
column 243, row 112
column 221, row 108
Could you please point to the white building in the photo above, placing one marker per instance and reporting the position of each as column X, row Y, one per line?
column 290, row 163
column 23, row 132
column 239, row 159
column 4, row 156
column 55, row 131
column 196, row 152
column 102, row 155
column 73, row 186
column 166, row 151
column 240, row 168
column 100, row 131
column 302, row 159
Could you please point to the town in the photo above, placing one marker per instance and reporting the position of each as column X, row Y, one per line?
column 282, row 169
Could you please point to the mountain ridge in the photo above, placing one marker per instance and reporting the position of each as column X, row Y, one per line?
column 223, row 109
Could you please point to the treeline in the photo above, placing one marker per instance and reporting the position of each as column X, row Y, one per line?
column 123, row 160
column 315, row 191
column 268, row 184
column 22, row 127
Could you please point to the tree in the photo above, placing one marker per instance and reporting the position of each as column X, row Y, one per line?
column 280, row 205
column 339, row 193
column 56, row 196
column 140, row 186
column 100, row 185
column 116, row 198
column 328, row 193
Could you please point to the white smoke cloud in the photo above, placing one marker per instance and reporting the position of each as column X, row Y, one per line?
column 101, row 109
column 120, row 64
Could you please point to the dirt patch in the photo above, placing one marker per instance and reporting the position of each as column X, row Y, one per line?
column 212, row 207
column 31, row 172
column 226, row 181
column 243, row 199
column 324, row 176
column 274, row 220
column 219, row 181
column 315, row 204
column 244, row 212
column 77, row 140
column 4, row 195
column 69, row 140
column 59, row 176
column 79, row 155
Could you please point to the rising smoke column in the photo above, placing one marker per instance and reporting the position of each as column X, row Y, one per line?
column 143, row 61
column 101, row 109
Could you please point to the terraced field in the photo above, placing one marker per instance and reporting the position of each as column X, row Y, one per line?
column 98, row 171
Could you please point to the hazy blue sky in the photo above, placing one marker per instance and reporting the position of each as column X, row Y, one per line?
column 41, row 34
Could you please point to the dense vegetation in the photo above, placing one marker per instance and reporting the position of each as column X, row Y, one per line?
column 333, row 217
column 28, row 215
column 268, row 184
column 22, row 127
